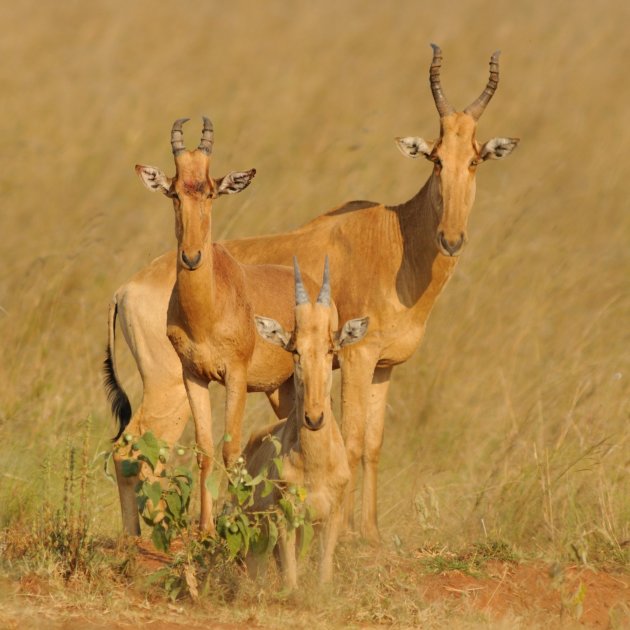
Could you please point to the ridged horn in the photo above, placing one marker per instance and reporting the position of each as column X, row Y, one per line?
column 476, row 108
column 177, row 136
column 207, row 137
column 443, row 106
column 301, row 295
column 324, row 292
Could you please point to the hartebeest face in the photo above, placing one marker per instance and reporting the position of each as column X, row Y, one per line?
column 456, row 155
column 193, row 191
column 313, row 343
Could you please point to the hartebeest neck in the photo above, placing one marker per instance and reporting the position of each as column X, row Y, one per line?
column 424, row 269
column 196, row 293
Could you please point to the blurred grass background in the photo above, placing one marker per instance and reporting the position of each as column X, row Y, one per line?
column 511, row 421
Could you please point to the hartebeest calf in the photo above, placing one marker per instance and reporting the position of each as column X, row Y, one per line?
column 396, row 261
column 312, row 451
column 210, row 315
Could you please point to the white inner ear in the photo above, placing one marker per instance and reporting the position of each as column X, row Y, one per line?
column 498, row 148
column 352, row 331
column 413, row 146
column 153, row 178
column 235, row 181
column 272, row 331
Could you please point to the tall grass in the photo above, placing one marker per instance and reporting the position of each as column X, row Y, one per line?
column 511, row 421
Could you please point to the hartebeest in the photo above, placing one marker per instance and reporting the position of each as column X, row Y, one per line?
column 210, row 316
column 398, row 259
column 312, row 451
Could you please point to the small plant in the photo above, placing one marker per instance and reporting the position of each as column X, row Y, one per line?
column 163, row 498
column 163, row 495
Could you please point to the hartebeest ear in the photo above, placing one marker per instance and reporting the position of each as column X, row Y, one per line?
column 272, row 331
column 413, row 147
column 352, row 331
column 234, row 182
column 498, row 148
column 153, row 178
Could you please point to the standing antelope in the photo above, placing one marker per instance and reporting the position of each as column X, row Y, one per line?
column 398, row 259
column 210, row 316
column 312, row 450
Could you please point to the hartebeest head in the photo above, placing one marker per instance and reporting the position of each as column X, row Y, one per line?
column 456, row 155
column 192, row 191
column 313, row 343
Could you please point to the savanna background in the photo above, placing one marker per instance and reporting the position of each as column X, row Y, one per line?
column 507, row 432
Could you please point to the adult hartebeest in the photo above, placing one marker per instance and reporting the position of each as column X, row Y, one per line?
column 210, row 316
column 398, row 259
column 312, row 450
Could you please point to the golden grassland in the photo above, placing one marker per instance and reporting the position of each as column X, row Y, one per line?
column 511, row 421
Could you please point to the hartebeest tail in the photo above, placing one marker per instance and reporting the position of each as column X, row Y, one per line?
column 118, row 400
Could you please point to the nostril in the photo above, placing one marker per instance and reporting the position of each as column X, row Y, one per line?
column 452, row 247
column 191, row 263
column 315, row 424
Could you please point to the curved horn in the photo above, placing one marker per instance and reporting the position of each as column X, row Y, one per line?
column 475, row 109
column 324, row 293
column 443, row 106
column 301, row 296
column 177, row 136
column 207, row 137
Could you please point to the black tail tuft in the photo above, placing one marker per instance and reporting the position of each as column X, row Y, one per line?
column 121, row 408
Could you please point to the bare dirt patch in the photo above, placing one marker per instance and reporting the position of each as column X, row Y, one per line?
column 539, row 592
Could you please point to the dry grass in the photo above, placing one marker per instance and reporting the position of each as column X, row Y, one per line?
column 511, row 422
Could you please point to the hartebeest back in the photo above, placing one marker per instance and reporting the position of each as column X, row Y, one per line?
column 210, row 316
column 396, row 261
column 312, row 451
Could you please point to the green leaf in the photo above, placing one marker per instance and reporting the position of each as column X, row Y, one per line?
column 227, row 437
column 242, row 494
column 287, row 510
column 267, row 488
column 174, row 504
column 130, row 467
column 305, row 539
column 158, row 575
column 141, row 502
column 212, row 484
column 149, row 448
column 253, row 482
column 234, row 542
column 273, row 536
column 278, row 464
column 259, row 543
column 244, row 531
column 153, row 491
column 160, row 538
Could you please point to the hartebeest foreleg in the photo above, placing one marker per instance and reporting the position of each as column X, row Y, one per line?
column 373, row 440
column 236, row 393
column 199, row 401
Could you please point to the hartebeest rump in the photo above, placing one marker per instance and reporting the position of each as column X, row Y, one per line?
column 396, row 260
column 210, row 316
column 312, row 450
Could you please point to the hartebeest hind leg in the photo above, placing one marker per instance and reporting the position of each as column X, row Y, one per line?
column 202, row 414
column 373, row 440
column 166, row 406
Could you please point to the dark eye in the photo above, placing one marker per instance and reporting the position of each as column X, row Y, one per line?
column 475, row 162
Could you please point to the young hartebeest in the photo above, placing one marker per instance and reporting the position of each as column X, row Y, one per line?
column 399, row 259
column 210, row 316
column 312, row 450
